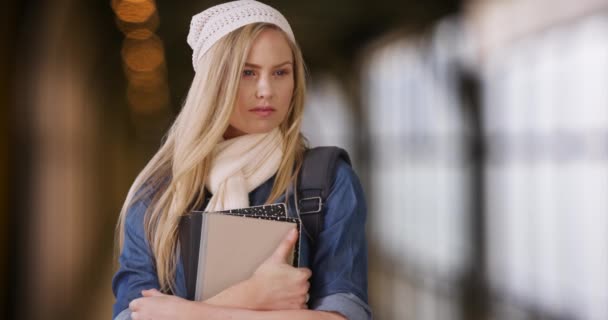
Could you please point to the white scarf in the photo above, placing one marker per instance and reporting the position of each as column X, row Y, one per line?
column 240, row 165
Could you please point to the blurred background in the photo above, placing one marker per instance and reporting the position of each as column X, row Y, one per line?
column 479, row 130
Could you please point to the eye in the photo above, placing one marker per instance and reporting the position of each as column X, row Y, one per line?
column 248, row 73
column 282, row 72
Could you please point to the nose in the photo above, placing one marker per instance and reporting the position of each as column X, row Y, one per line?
column 264, row 88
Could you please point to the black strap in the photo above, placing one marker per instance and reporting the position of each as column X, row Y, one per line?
column 314, row 183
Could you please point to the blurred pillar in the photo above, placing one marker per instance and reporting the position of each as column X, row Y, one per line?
column 7, row 221
column 475, row 294
column 419, row 221
column 492, row 21
column 60, row 199
column 543, row 66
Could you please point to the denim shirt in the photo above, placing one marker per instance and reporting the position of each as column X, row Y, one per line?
column 339, row 263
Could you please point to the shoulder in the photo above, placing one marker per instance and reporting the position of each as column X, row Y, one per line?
column 328, row 166
column 344, row 172
column 346, row 200
column 137, row 211
column 346, row 179
column 138, row 208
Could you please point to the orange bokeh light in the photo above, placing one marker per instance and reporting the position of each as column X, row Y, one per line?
column 148, row 100
column 152, row 78
column 141, row 30
column 143, row 55
column 137, row 11
column 140, row 34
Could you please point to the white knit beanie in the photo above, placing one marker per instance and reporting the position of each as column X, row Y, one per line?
column 207, row 27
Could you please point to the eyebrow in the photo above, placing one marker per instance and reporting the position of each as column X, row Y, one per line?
column 251, row 65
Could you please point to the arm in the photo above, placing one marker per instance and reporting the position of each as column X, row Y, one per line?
column 136, row 271
column 225, row 313
column 339, row 263
column 157, row 306
column 276, row 285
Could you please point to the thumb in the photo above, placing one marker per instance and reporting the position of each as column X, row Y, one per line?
column 284, row 249
column 151, row 293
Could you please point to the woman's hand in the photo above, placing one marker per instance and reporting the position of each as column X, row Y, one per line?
column 275, row 285
column 158, row 306
column 278, row 285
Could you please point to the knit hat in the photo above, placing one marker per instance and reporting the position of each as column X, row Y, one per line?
column 207, row 27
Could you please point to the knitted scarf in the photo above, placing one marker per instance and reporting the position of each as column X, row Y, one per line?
column 240, row 165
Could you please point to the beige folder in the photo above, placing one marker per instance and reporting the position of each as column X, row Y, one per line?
column 232, row 248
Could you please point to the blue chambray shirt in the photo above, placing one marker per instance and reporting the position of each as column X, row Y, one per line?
column 339, row 264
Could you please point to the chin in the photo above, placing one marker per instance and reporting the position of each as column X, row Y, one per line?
column 255, row 126
column 262, row 130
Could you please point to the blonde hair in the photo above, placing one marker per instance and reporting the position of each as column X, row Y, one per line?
column 174, row 179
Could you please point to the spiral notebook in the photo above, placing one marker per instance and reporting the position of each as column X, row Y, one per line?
column 220, row 249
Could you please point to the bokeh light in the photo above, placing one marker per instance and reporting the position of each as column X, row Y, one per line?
column 134, row 10
column 143, row 55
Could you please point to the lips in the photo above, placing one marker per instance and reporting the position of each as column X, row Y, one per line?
column 263, row 111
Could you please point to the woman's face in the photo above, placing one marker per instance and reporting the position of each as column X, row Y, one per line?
column 266, row 86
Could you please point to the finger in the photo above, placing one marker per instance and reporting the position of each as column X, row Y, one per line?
column 300, row 304
column 305, row 273
column 134, row 305
column 303, row 299
column 306, row 286
column 151, row 293
column 285, row 247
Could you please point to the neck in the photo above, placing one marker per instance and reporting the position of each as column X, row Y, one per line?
column 233, row 132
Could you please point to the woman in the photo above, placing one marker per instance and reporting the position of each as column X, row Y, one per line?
column 238, row 139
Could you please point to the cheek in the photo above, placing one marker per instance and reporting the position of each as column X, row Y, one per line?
column 244, row 101
column 287, row 93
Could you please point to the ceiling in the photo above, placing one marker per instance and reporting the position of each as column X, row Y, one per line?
column 330, row 33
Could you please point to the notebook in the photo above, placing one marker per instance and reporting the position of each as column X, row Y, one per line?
column 220, row 249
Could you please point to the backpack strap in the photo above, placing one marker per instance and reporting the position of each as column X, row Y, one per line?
column 315, row 179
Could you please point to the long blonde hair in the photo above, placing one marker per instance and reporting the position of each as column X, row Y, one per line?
column 174, row 179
